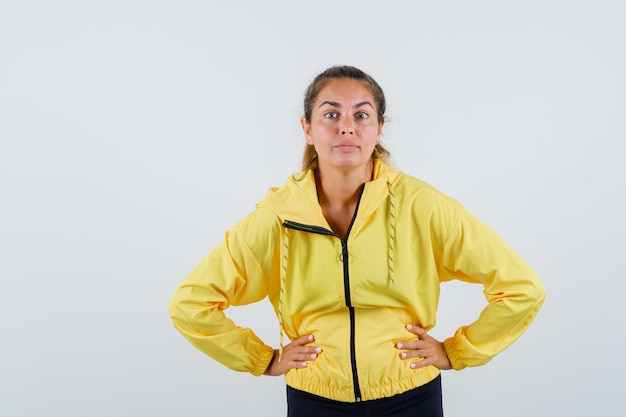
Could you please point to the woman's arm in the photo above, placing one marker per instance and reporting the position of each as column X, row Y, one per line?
column 475, row 253
column 229, row 275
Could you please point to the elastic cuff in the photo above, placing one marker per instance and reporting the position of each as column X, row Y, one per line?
column 453, row 356
column 264, row 361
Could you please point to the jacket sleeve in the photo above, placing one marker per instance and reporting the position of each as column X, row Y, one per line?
column 228, row 275
column 474, row 253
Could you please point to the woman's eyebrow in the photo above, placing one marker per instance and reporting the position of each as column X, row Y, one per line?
column 363, row 103
column 330, row 103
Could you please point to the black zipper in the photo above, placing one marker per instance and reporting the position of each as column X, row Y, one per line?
column 346, row 283
column 308, row 228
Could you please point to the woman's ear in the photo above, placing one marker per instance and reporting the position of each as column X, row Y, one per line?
column 306, row 128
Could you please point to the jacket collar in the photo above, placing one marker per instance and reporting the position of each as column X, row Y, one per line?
column 297, row 199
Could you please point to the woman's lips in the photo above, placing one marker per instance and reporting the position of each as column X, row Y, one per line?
column 346, row 146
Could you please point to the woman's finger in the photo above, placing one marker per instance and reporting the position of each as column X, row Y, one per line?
column 301, row 341
column 295, row 355
column 427, row 349
column 416, row 330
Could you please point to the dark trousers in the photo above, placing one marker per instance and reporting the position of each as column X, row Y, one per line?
column 424, row 401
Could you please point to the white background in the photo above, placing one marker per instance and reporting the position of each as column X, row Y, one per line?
column 134, row 133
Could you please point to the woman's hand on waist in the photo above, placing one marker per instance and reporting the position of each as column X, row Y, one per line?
column 427, row 349
column 295, row 355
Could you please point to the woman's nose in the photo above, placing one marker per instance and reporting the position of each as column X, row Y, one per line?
column 347, row 129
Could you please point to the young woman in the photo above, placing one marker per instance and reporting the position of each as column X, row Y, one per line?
column 351, row 254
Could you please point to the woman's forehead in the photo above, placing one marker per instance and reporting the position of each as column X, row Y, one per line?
column 344, row 89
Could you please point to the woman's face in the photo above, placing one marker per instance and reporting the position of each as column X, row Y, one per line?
column 344, row 125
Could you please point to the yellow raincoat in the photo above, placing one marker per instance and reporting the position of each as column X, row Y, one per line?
column 356, row 295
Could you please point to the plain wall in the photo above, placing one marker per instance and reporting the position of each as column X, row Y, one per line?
column 133, row 134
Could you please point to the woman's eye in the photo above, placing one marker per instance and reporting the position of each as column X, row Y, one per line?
column 362, row 115
column 331, row 115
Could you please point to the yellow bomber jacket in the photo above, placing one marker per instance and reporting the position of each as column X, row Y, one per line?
column 356, row 295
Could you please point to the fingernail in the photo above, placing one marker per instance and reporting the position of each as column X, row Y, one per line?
column 413, row 365
column 311, row 337
column 409, row 326
column 400, row 345
column 313, row 356
column 318, row 350
column 303, row 363
column 403, row 355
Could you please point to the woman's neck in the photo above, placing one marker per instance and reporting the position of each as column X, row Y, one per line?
column 341, row 188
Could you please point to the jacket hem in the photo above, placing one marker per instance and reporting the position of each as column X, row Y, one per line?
column 368, row 392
